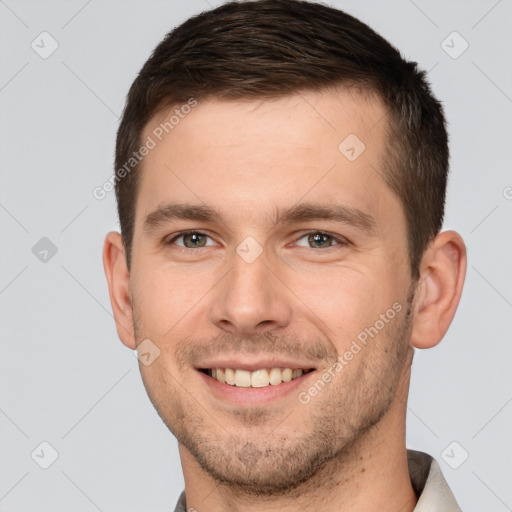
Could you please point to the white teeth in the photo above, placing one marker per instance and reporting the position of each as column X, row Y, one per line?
column 286, row 375
column 257, row 379
column 297, row 373
column 275, row 376
column 220, row 375
column 243, row 378
column 229, row 375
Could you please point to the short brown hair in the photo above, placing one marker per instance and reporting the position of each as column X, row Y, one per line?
column 267, row 49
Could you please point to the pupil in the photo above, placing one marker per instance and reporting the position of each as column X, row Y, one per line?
column 195, row 238
column 317, row 237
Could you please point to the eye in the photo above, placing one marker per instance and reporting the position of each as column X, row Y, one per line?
column 321, row 240
column 191, row 239
column 314, row 240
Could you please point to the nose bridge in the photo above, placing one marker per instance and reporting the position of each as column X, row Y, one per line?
column 251, row 298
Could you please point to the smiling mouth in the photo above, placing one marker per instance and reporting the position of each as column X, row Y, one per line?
column 255, row 379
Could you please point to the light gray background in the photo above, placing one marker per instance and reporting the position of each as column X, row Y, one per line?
column 64, row 376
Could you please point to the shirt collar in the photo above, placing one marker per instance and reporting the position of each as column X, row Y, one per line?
column 430, row 486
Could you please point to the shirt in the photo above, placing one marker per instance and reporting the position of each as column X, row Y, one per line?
column 427, row 480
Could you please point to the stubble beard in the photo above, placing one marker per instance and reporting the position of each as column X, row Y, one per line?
column 268, row 461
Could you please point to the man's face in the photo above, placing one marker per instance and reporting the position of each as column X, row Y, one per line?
column 256, row 288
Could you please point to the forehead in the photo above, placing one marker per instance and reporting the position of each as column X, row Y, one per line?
column 244, row 157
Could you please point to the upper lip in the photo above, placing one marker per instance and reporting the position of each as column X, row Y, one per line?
column 255, row 363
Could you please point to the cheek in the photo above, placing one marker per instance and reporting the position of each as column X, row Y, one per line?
column 345, row 300
column 167, row 296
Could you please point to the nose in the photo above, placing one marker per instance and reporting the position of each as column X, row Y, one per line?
column 251, row 299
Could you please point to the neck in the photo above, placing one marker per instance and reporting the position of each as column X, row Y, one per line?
column 371, row 474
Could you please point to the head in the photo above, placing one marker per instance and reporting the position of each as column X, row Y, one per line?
column 308, row 162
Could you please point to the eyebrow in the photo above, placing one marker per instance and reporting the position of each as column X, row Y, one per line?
column 302, row 212
column 167, row 213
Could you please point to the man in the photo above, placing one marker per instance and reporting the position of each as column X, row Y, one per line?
column 280, row 178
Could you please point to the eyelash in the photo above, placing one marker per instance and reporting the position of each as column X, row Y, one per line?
column 341, row 241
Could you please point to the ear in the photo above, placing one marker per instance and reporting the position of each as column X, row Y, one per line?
column 118, row 278
column 442, row 273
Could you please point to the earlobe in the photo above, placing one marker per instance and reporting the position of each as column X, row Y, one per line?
column 443, row 270
column 118, row 278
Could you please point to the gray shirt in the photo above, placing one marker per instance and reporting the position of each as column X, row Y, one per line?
column 428, row 483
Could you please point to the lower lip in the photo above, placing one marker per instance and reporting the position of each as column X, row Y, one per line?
column 252, row 396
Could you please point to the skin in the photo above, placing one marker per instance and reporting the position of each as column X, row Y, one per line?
column 344, row 449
